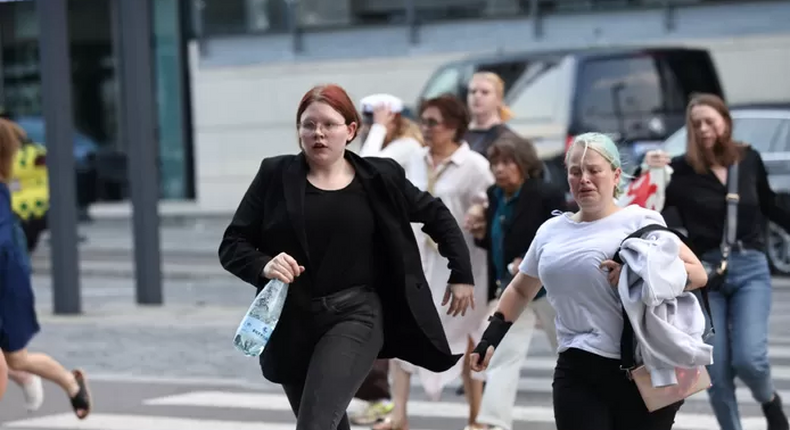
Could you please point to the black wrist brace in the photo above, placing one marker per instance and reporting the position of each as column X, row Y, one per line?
column 495, row 332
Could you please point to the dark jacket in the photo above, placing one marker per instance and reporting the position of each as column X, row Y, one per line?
column 18, row 321
column 536, row 201
column 270, row 220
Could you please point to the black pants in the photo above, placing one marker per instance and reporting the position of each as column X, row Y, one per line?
column 592, row 393
column 348, row 337
column 376, row 385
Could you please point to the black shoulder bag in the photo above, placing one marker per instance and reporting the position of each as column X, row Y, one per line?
column 718, row 273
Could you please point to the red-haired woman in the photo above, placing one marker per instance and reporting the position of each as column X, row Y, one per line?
column 742, row 304
column 337, row 227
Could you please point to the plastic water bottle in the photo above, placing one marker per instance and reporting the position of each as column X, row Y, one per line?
column 257, row 326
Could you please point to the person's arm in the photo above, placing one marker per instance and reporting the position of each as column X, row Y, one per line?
column 697, row 276
column 482, row 231
column 769, row 203
column 374, row 142
column 239, row 250
column 521, row 290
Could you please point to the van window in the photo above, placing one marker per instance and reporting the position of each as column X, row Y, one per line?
column 509, row 71
column 618, row 87
column 782, row 143
column 447, row 80
column 692, row 72
column 536, row 98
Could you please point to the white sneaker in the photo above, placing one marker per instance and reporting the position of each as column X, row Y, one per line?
column 33, row 391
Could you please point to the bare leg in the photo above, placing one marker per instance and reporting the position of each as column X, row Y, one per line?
column 31, row 386
column 401, row 382
column 3, row 376
column 45, row 367
column 19, row 377
column 472, row 388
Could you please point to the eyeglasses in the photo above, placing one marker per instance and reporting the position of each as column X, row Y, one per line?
column 429, row 122
column 312, row 127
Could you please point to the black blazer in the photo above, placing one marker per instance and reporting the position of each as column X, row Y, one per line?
column 536, row 201
column 270, row 220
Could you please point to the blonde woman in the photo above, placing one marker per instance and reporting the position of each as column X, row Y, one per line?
column 386, row 131
column 17, row 308
column 485, row 100
column 570, row 256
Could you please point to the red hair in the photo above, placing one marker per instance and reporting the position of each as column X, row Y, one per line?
column 336, row 97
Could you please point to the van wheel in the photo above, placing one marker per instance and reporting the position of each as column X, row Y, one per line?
column 777, row 244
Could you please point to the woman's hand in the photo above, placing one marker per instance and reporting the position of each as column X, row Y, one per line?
column 282, row 267
column 657, row 158
column 475, row 221
column 476, row 364
column 383, row 115
column 614, row 271
column 463, row 296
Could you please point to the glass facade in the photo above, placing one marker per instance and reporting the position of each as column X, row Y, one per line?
column 170, row 82
column 94, row 76
column 221, row 17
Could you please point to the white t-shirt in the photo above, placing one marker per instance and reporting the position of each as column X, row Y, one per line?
column 566, row 256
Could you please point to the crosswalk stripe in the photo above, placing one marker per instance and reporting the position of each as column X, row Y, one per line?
column 543, row 363
column 535, row 414
column 145, row 422
column 543, row 386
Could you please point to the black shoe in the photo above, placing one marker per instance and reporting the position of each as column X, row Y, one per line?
column 777, row 420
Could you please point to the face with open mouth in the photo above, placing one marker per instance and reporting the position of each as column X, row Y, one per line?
column 323, row 133
column 591, row 177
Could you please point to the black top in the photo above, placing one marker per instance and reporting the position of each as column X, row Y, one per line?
column 481, row 139
column 700, row 202
column 534, row 205
column 340, row 228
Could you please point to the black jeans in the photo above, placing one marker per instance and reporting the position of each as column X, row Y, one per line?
column 348, row 333
column 592, row 393
column 376, row 386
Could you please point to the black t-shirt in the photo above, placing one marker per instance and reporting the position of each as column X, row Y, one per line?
column 340, row 228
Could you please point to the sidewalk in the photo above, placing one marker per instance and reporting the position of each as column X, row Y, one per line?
column 189, row 249
column 190, row 336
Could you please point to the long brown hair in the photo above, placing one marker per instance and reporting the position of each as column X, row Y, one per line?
column 10, row 140
column 725, row 151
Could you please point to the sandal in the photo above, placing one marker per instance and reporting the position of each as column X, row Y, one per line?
column 387, row 424
column 81, row 402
